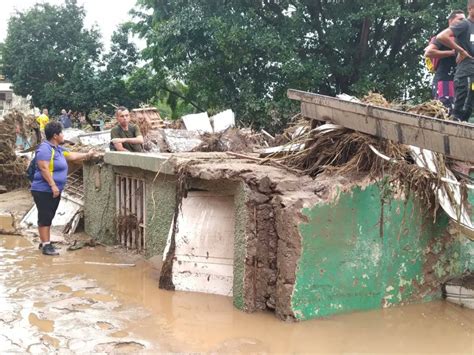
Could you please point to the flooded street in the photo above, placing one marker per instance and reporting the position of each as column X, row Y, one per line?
column 62, row 303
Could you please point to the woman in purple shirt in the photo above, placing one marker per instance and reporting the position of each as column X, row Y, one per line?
column 50, row 178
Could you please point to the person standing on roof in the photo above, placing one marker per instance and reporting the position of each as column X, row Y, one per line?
column 463, row 33
column 50, row 179
column 443, row 81
column 125, row 136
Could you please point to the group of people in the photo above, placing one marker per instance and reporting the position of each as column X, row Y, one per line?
column 453, row 48
column 52, row 167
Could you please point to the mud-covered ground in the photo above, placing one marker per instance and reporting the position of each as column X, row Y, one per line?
column 63, row 303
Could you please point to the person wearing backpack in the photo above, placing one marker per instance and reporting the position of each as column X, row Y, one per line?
column 441, row 60
column 49, row 179
column 460, row 37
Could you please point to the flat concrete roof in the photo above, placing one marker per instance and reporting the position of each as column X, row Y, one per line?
column 156, row 162
column 164, row 163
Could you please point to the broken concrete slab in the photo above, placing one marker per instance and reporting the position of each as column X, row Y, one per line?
column 180, row 141
column 72, row 134
column 95, row 138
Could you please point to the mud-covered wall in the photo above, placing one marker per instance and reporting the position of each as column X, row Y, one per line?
column 368, row 250
column 255, row 259
column 240, row 237
column 99, row 207
column 467, row 250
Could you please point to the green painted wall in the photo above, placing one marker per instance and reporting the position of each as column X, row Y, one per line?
column 99, row 209
column 361, row 253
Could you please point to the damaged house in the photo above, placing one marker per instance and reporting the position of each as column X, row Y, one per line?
column 303, row 239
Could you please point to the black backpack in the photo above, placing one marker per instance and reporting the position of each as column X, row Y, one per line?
column 30, row 171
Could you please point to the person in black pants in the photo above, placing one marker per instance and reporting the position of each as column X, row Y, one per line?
column 443, row 81
column 50, row 179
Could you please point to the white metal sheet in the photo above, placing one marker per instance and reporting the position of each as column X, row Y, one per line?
column 223, row 120
column 67, row 210
column 198, row 122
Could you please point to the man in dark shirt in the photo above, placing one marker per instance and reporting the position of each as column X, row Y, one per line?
column 463, row 32
column 125, row 136
column 443, row 81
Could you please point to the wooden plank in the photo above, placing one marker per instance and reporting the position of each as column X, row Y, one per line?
column 453, row 139
column 456, row 147
column 458, row 129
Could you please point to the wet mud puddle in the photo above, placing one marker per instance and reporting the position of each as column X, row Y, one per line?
column 63, row 304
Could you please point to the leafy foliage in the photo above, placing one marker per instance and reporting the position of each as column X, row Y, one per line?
column 50, row 55
column 2, row 71
column 246, row 54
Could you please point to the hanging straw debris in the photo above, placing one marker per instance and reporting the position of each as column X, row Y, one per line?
column 340, row 151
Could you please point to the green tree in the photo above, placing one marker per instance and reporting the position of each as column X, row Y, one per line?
column 119, row 64
column 245, row 54
column 2, row 70
column 46, row 49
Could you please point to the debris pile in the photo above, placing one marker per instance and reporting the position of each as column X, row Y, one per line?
column 433, row 108
column 316, row 147
column 146, row 119
column 12, row 168
column 376, row 100
column 460, row 291
column 230, row 140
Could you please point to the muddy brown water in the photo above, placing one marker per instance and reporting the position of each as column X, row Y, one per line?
column 61, row 303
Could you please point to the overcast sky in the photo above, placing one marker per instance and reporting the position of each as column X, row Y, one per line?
column 106, row 14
